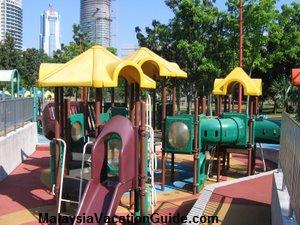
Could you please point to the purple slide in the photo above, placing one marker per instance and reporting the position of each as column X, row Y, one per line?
column 102, row 196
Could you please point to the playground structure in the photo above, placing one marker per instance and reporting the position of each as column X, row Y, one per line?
column 53, row 75
column 119, row 142
column 11, row 77
column 195, row 134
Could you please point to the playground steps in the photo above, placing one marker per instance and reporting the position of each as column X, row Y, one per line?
column 71, row 184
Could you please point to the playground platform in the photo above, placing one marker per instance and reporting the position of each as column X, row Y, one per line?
column 26, row 192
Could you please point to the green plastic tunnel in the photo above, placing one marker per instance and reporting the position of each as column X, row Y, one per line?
column 226, row 131
column 267, row 131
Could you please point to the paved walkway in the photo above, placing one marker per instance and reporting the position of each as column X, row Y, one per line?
column 247, row 202
column 23, row 194
column 26, row 192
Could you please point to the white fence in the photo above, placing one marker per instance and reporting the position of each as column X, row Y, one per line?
column 289, row 160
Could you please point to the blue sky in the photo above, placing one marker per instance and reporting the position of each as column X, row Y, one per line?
column 128, row 14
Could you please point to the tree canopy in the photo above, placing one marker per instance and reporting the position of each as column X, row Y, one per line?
column 204, row 41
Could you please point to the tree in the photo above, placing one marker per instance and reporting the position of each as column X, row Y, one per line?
column 9, row 55
column 79, row 44
column 26, row 62
column 204, row 41
column 282, row 92
column 30, row 64
column 185, row 40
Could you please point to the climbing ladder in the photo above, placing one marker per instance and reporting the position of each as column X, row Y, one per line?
column 62, row 160
column 151, row 150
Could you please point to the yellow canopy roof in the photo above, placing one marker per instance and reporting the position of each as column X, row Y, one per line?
column 152, row 64
column 96, row 67
column 252, row 87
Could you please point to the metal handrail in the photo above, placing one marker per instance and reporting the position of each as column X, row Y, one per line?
column 82, row 167
column 61, row 173
column 14, row 113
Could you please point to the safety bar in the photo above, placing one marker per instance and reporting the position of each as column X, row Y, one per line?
column 82, row 166
column 62, row 172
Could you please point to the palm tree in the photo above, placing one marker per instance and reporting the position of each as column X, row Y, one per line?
column 282, row 93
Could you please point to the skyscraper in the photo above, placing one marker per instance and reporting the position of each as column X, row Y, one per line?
column 11, row 21
column 95, row 20
column 50, row 31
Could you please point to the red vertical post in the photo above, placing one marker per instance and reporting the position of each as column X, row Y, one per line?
column 241, row 51
column 163, row 127
column 86, row 115
column 98, row 110
column 174, row 98
column 137, row 92
column 173, row 114
column 131, row 103
column 196, row 146
column 218, row 163
column 154, row 106
column 84, row 94
column 136, row 120
column 57, row 135
column 126, row 93
column 61, row 111
column 67, row 134
column 143, row 175
column 224, row 154
column 256, row 111
column 250, row 141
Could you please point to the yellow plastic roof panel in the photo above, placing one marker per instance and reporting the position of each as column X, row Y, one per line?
column 96, row 67
column 89, row 69
column 152, row 64
column 46, row 68
column 252, row 87
column 133, row 73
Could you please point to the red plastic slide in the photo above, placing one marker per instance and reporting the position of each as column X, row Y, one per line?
column 102, row 196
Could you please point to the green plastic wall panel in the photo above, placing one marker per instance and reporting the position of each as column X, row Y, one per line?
column 201, row 178
column 188, row 121
column 78, row 118
column 77, row 145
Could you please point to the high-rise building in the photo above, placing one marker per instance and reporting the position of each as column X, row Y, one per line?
column 50, row 31
column 11, row 21
column 95, row 20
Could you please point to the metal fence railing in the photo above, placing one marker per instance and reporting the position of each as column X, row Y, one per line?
column 14, row 113
column 289, row 159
